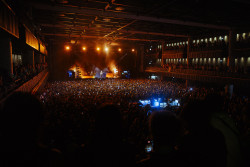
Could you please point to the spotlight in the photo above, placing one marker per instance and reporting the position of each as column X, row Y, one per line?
column 67, row 47
column 119, row 49
column 115, row 71
column 156, row 104
column 83, row 48
column 98, row 49
column 133, row 50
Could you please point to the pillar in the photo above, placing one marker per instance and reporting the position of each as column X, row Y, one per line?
column 187, row 83
column 229, row 90
column 44, row 59
column 189, row 52
column 38, row 58
column 199, row 62
column 162, row 76
column 135, row 52
column 245, row 64
column 163, row 61
column 231, row 45
column 6, row 63
column 28, row 58
column 237, row 65
column 141, row 58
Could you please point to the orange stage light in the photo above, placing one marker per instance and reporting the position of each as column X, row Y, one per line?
column 67, row 47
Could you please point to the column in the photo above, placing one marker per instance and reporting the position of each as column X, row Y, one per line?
column 199, row 62
column 135, row 53
column 28, row 58
column 44, row 59
column 141, row 58
column 38, row 58
column 187, row 83
column 163, row 61
column 229, row 90
column 189, row 52
column 6, row 63
column 245, row 64
column 231, row 45
column 238, row 64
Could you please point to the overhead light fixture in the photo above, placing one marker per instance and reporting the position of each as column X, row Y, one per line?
column 119, row 8
column 119, row 49
column 98, row 49
column 62, row 1
column 67, row 47
column 133, row 50
column 106, row 19
column 114, row 44
column 106, row 49
column 83, row 48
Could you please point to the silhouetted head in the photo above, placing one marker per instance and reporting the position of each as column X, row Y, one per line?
column 21, row 116
column 165, row 128
column 196, row 113
column 214, row 102
column 108, row 122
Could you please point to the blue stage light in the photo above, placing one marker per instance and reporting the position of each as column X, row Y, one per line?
column 156, row 104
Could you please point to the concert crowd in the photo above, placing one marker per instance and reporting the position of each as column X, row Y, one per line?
column 95, row 122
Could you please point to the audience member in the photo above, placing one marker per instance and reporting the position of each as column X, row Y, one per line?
column 221, row 121
column 19, row 130
column 165, row 130
column 108, row 147
column 203, row 145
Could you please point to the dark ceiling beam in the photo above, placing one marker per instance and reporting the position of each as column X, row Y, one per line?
column 96, row 12
column 97, row 37
column 119, row 28
column 154, row 33
column 122, row 31
column 61, row 26
column 242, row 1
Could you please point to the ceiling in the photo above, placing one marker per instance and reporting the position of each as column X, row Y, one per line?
column 132, row 20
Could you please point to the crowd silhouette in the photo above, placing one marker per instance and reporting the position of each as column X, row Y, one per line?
column 101, row 122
